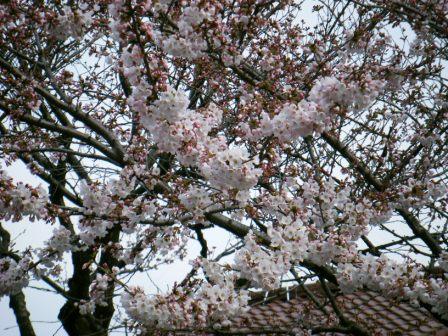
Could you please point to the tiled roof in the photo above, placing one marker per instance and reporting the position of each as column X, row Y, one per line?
column 285, row 311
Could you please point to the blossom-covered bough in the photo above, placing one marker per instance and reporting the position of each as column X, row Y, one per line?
column 314, row 132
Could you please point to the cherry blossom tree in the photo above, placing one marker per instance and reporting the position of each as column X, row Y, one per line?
column 306, row 129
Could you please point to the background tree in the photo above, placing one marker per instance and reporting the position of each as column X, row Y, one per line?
column 321, row 147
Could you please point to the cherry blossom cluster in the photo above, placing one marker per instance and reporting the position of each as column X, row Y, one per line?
column 419, row 193
column 232, row 169
column 313, row 115
column 73, row 23
column 325, row 205
column 433, row 292
column 185, row 133
column 110, row 204
column 395, row 279
column 60, row 241
column 443, row 261
column 378, row 273
column 102, row 207
column 21, row 200
column 179, row 130
column 332, row 205
column 196, row 200
column 291, row 122
column 290, row 235
column 165, row 243
column 96, row 202
column 186, row 42
column 210, row 305
column 290, row 245
column 263, row 268
column 330, row 91
column 51, row 255
column 13, row 275
column 97, row 294
column 115, row 25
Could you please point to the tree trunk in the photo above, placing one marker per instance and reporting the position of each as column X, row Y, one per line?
column 18, row 304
